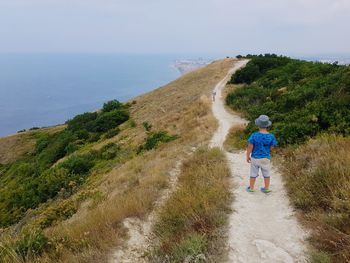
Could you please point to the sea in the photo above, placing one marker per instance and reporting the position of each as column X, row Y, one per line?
column 39, row 90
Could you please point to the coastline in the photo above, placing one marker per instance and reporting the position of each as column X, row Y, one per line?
column 185, row 66
column 182, row 66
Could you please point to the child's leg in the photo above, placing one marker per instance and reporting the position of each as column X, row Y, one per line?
column 267, row 182
column 254, row 173
column 252, row 182
column 265, row 170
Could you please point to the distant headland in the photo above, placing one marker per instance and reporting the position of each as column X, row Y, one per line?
column 188, row 65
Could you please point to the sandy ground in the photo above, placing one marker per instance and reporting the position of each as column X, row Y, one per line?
column 262, row 228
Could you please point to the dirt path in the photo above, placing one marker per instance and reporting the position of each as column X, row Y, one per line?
column 262, row 228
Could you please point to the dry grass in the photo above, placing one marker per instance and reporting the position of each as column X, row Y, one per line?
column 190, row 221
column 236, row 139
column 131, row 188
column 179, row 95
column 317, row 177
column 15, row 146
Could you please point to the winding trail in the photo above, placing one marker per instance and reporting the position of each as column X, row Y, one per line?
column 262, row 228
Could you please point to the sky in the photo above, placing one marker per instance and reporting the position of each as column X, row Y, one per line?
column 176, row 26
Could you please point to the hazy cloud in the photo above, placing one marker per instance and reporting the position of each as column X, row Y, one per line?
column 182, row 26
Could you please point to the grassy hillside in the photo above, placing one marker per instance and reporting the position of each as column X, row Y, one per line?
column 309, row 104
column 34, row 179
column 66, row 190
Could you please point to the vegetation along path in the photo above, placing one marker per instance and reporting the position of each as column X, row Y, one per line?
column 262, row 228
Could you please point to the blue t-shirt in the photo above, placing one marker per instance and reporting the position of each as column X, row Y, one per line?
column 262, row 143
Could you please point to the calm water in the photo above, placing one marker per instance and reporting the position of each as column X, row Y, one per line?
column 46, row 89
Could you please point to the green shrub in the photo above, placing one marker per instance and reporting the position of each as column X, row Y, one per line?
column 42, row 140
column 109, row 151
column 94, row 137
column 248, row 75
column 257, row 67
column 110, row 120
column 49, row 183
column 82, row 134
column 56, row 148
column 83, row 121
column 79, row 164
column 111, row 133
column 71, row 148
column 112, row 115
column 154, row 139
column 247, row 96
column 31, row 244
column 112, row 105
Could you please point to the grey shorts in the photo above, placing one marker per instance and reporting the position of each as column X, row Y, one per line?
column 257, row 164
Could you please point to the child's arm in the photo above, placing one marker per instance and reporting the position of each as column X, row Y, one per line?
column 273, row 143
column 249, row 151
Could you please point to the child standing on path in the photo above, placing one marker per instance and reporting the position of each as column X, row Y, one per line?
column 258, row 153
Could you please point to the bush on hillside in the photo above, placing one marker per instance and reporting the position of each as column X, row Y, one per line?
column 109, row 151
column 94, row 137
column 83, row 121
column 55, row 149
column 82, row 134
column 301, row 98
column 257, row 67
column 248, row 75
column 112, row 105
column 97, row 122
column 111, row 133
column 110, row 120
column 79, row 164
column 154, row 139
